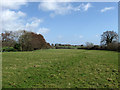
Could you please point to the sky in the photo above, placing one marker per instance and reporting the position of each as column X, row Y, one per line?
column 61, row 22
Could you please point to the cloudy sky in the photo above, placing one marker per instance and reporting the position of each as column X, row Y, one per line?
column 61, row 22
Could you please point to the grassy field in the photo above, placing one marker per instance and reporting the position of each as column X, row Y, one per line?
column 60, row 68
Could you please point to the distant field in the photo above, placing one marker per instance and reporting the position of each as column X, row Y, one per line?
column 60, row 68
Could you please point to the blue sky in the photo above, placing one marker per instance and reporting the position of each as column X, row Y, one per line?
column 67, row 23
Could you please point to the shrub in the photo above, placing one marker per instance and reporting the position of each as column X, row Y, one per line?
column 113, row 46
column 118, row 47
column 8, row 49
column 17, row 47
column 103, row 47
column 96, row 47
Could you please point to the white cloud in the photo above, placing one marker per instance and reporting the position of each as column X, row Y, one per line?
column 33, row 24
column 55, row 7
column 62, row 8
column 11, row 20
column 12, row 4
column 86, row 7
column 8, row 15
column 107, row 8
column 43, row 30
column 16, row 20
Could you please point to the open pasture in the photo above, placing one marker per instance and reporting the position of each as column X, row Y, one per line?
column 60, row 68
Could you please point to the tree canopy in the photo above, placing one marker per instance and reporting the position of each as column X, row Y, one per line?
column 108, row 37
column 24, row 40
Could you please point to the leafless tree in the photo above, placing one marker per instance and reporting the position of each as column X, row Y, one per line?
column 89, row 44
column 108, row 37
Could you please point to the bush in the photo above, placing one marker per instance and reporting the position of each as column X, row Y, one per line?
column 17, row 47
column 118, row 47
column 95, row 47
column 103, row 47
column 113, row 46
column 8, row 49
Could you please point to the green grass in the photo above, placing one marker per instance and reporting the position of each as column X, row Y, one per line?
column 60, row 68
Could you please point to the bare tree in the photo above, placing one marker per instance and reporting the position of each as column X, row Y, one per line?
column 89, row 44
column 8, row 38
column 108, row 37
column 25, row 41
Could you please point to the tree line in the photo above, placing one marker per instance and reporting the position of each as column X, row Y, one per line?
column 23, row 41
column 27, row 41
column 109, row 41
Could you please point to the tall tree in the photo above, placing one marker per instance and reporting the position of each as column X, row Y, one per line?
column 25, row 41
column 32, row 41
column 108, row 37
column 8, row 39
